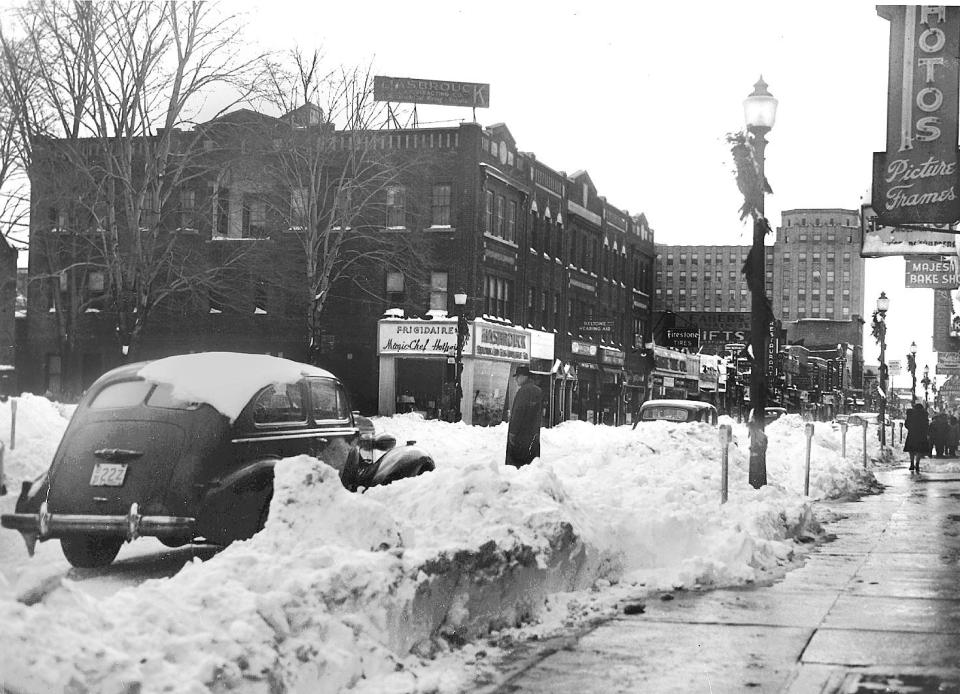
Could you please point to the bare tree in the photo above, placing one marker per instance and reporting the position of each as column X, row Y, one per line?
column 105, row 97
column 335, row 179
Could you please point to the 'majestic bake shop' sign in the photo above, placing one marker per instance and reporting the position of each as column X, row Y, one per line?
column 916, row 180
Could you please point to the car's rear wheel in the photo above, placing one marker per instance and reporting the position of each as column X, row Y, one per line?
column 90, row 551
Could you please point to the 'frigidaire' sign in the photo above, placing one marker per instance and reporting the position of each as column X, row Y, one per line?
column 442, row 92
column 417, row 337
column 915, row 180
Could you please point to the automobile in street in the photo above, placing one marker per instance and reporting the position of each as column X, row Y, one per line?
column 771, row 414
column 184, row 449
column 677, row 411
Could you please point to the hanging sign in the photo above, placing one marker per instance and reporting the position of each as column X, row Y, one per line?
column 880, row 241
column 931, row 273
column 915, row 179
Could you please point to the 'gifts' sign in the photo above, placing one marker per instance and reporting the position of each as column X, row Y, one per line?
column 915, row 180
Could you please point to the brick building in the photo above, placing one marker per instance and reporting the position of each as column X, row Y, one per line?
column 533, row 249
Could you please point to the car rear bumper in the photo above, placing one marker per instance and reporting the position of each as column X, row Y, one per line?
column 45, row 525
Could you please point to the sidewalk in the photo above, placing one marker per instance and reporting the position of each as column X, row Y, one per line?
column 875, row 610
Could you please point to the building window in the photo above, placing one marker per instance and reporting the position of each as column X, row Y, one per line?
column 512, row 222
column 498, row 229
column 394, row 282
column 440, row 205
column 96, row 291
column 259, row 296
column 299, row 207
column 188, row 210
column 497, row 297
column 396, row 207
column 489, row 212
column 438, row 291
column 254, row 217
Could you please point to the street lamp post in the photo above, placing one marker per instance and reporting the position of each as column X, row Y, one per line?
column 760, row 112
column 912, row 368
column 460, row 300
column 880, row 333
column 926, row 384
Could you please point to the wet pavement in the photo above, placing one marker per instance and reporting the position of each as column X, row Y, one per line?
column 877, row 609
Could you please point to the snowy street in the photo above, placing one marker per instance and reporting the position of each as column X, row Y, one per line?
column 399, row 588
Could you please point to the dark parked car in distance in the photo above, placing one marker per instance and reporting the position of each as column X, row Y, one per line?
column 677, row 411
column 139, row 459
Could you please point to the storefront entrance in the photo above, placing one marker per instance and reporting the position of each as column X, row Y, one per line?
column 420, row 387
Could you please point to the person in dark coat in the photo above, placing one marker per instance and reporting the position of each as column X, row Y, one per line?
column 938, row 433
column 523, row 434
column 918, row 432
column 953, row 435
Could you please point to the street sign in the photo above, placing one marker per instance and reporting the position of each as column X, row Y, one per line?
column 894, row 367
column 931, row 273
column 680, row 338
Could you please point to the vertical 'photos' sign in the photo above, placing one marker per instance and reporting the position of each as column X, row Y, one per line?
column 915, row 180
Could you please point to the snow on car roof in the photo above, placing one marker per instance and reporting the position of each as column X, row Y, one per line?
column 677, row 403
column 225, row 380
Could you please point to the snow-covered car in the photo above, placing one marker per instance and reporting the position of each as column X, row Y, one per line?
column 183, row 449
column 678, row 411
column 771, row 414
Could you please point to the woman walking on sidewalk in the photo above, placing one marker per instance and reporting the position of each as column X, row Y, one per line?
column 918, row 431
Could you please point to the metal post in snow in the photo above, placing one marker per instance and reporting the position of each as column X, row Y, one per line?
column 864, row 443
column 726, row 433
column 13, row 423
column 843, row 439
column 808, row 430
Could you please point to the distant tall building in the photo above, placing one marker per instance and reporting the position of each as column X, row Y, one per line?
column 817, row 266
column 703, row 278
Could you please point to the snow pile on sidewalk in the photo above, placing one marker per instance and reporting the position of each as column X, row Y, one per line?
column 40, row 424
column 340, row 588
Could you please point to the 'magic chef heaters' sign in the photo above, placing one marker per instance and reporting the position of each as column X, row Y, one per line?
column 916, row 180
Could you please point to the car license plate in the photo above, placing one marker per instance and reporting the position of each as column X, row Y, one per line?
column 108, row 475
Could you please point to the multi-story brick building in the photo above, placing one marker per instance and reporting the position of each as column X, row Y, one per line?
column 817, row 265
column 532, row 248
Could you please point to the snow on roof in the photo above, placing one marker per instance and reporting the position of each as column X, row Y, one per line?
column 225, row 380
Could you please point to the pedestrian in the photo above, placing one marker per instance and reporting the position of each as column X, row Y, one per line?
column 953, row 436
column 523, row 434
column 918, row 432
column 938, row 433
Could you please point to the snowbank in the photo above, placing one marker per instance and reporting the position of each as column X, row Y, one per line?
column 368, row 591
column 40, row 425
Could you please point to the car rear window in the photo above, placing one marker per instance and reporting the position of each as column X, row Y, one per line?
column 328, row 401
column 120, row 394
column 673, row 414
column 162, row 396
column 280, row 403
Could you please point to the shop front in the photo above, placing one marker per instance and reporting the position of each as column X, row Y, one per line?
column 418, row 368
column 611, row 409
column 585, row 389
column 415, row 375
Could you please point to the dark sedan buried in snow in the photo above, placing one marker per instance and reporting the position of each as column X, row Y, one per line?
column 677, row 411
column 184, row 448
